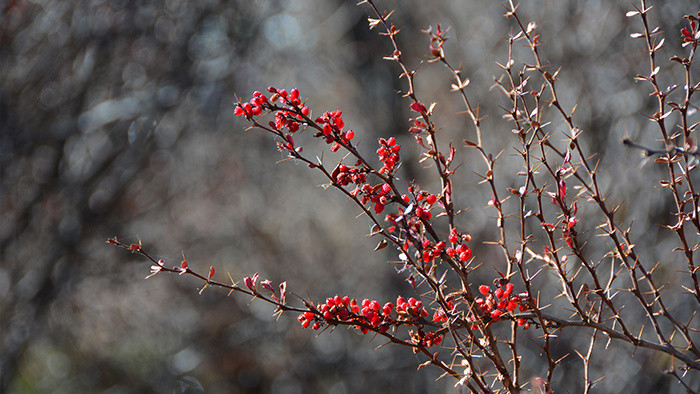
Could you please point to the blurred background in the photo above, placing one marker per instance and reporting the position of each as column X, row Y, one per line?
column 116, row 119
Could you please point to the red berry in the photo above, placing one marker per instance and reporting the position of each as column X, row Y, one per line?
column 431, row 199
column 483, row 289
column 509, row 289
column 499, row 293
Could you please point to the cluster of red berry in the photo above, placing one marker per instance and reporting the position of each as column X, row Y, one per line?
column 332, row 129
column 368, row 315
column 501, row 301
column 293, row 115
column 289, row 117
column 440, row 316
column 379, row 195
column 388, row 153
column 410, row 310
column 426, row 339
column 330, row 125
column 343, row 175
column 459, row 248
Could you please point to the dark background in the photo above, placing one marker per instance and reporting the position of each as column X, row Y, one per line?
column 116, row 119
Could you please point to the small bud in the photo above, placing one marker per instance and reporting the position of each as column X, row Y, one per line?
column 267, row 284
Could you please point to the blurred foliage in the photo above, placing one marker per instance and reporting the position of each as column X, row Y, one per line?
column 116, row 119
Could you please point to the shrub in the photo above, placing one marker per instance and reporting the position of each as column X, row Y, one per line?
column 570, row 270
